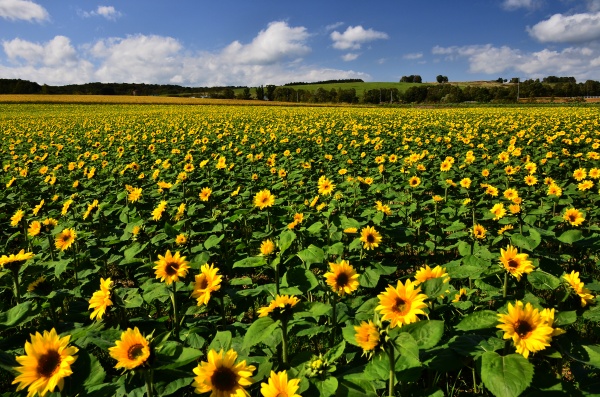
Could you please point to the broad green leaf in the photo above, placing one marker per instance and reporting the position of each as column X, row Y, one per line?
column 427, row 333
column 285, row 240
column 213, row 241
column 335, row 352
column 258, row 331
column 312, row 254
column 326, row 387
column 542, row 280
column 369, row 278
column 16, row 314
column 505, row 376
column 252, row 261
column 570, row 236
column 479, row 320
column 221, row 341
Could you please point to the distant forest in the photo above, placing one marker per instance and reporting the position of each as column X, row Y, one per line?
column 442, row 92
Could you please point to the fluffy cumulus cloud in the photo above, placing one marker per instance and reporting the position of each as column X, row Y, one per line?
column 516, row 4
column 274, row 56
column 351, row 56
column 413, row 56
column 354, row 36
column 22, row 10
column 580, row 62
column 108, row 12
column 577, row 28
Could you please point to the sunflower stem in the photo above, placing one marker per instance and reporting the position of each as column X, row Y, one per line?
column 148, row 380
column 505, row 287
column 390, row 352
column 175, row 316
column 333, row 319
column 15, row 274
column 284, row 343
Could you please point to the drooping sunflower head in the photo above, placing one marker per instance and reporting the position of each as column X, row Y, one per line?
column 264, row 199
column 579, row 288
column 526, row 327
column 370, row 237
column 100, row 300
column 222, row 376
column 342, row 278
column 426, row 273
column 280, row 307
column 279, row 386
column 132, row 350
column 65, row 239
column 514, row 263
column 14, row 262
column 206, row 282
column 367, row 336
column 401, row 304
column 574, row 217
column 47, row 361
column 170, row 268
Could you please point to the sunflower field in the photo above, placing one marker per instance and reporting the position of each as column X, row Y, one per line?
column 296, row 251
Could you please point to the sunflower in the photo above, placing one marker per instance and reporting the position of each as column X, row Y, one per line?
column 350, row 230
column 367, row 336
column 465, row 182
column 267, row 247
column 526, row 327
column 426, row 273
column 342, row 278
column 510, row 194
column 263, row 199
column 169, row 268
column 205, row 193
column 221, row 376
column 462, row 292
column 131, row 351
column 573, row 216
column 370, row 237
column 134, row 194
column 554, row 189
column 530, row 180
column 479, row 231
column 47, row 361
column 181, row 239
column 579, row 287
column 14, row 261
column 206, row 282
column 445, row 166
column 278, row 306
column 498, row 210
column 491, row 190
column 65, row 239
column 514, row 263
column 579, row 174
column 325, row 186
column 279, row 386
column 505, row 228
column 16, row 218
column 414, row 181
column 402, row 304
column 100, row 300
column 585, row 185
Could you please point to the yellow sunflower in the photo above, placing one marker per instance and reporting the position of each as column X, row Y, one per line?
column 134, row 194
column 100, row 300
column 367, row 336
column 325, row 186
column 426, row 273
column 498, row 210
column 264, row 199
column 479, row 231
column 47, row 361
column 222, row 376
column 370, row 237
column 414, row 181
column 206, row 282
column 465, row 182
column 526, row 327
column 267, row 247
column 279, row 386
column 554, row 189
column 514, row 263
column 131, row 351
column 16, row 218
column 573, row 216
column 342, row 278
column 170, row 267
column 402, row 304
column 14, row 261
column 277, row 305
column 205, row 193
column 579, row 287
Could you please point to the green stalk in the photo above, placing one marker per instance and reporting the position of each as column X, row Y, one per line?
column 505, row 287
column 284, row 342
column 175, row 314
column 390, row 353
column 148, row 380
column 15, row 274
column 333, row 319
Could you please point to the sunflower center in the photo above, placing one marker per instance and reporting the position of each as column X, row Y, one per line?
column 523, row 328
column 370, row 238
column 572, row 217
column 171, row 268
column 135, row 351
column 342, row 280
column 513, row 264
column 400, row 305
column 48, row 364
column 224, row 379
column 203, row 284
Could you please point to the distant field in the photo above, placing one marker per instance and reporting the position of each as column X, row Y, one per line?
column 359, row 87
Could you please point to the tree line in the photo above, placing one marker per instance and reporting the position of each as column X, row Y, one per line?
column 550, row 86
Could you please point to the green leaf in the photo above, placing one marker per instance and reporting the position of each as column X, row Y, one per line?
column 505, row 376
column 434, row 287
column 253, row 261
column 570, row 236
column 335, row 352
column 565, row 318
column 312, row 254
column 303, row 279
column 427, row 333
column 60, row 266
column 456, row 226
column 213, row 241
column 285, row 240
column 135, row 249
column 315, row 228
column 16, row 314
column 336, row 249
column 222, row 341
column 174, row 355
column 258, row 331
column 356, row 388
column 408, row 365
column 478, row 320
column 326, row 387
column 518, row 240
column 542, row 280
column 369, row 278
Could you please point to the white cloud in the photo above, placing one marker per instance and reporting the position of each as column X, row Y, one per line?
column 579, row 62
column 334, row 26
column 415, row 55
column 354, row 36
column 351, row 56
column 274, row 56
column 515, row 4
column 22, row 10
column 577, row 28
column 108, row 12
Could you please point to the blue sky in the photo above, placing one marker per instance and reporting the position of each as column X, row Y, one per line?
column 254, row 42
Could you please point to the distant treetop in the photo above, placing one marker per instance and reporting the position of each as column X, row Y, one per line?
column 327, row 82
